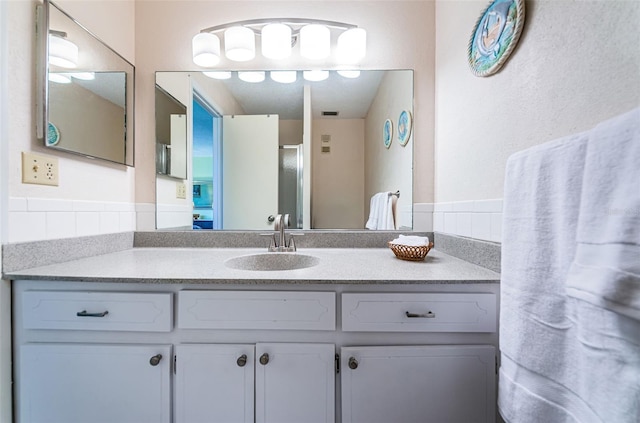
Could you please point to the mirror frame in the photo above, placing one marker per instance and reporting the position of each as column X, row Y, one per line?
column 42, row 85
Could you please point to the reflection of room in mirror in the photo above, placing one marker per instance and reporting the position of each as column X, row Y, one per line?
column 356, row 165
column 100, row 103
column 87, row 90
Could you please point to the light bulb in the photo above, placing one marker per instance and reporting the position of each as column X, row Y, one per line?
column 239, row 44
column 251, row 76
column 352, row 46
column 349, row 73
column 284, row 77
column 62, row 52
column 276, row 41
column 218, row 74
column 206, row 49
column 315, row 41
column 315, row 75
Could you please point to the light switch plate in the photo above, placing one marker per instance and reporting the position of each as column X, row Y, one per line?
column 38, row 169
column 181, row 190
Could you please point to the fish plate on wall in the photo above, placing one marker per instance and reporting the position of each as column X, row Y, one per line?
column 495, row 36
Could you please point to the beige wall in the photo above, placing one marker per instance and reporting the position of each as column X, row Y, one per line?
column 290, row 132
column 577, row 63
column 337, row 191
column 390, row 169
column 400, row 35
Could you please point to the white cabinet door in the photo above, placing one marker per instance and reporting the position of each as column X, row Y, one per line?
column 418, row 384
column 295, row 383
column 214, row 383
column 66, row 383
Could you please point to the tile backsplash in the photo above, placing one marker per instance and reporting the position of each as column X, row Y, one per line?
column 35, row 219
column 480, row 219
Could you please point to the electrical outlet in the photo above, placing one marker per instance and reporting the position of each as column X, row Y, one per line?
column 181, row 190
column 39, row 170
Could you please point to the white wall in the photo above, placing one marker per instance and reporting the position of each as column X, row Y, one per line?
column 93, row 196
column 577, row 63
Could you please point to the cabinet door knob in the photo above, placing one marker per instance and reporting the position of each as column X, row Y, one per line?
column 353, row 363
column 242, row 360
column 264, row 359
column 155, row 360
column 271, row 218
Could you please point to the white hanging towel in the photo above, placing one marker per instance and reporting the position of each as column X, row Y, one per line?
column 381, row 212
column 563, row 359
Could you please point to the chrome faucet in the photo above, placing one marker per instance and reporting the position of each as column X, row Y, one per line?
column 280, row 243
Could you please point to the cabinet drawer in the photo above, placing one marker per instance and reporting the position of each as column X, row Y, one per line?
column 418, row 312
column 256, row 310
column 117, row 311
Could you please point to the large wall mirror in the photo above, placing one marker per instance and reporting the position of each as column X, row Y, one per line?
column 86, row 90
column 313, row 150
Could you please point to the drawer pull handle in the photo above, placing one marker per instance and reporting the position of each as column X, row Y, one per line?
column 353, row 363
column 84, row 313
column 264, row 359
column 155, row 360
column 427, row 315
column 242, row 360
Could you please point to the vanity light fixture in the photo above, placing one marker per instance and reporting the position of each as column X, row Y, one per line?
column 284, row 77
column 278, row 36
column 315, row 75
column 62, row 52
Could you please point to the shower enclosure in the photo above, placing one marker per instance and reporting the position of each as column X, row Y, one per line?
column 290, row 168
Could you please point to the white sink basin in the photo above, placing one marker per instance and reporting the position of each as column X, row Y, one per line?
column 272, row 261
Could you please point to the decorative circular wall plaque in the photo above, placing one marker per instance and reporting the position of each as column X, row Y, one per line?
column 405, row 124
column 53, row 134
column 387, row 133
column 495, row 36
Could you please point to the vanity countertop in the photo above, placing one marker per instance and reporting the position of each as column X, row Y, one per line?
column 206, row 265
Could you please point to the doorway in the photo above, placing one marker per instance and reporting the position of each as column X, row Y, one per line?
column 206, row 164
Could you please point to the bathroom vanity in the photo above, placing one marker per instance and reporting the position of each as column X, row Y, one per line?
column 361, row 336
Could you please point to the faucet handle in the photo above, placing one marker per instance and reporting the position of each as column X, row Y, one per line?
column 272, row 241
column 292, row 244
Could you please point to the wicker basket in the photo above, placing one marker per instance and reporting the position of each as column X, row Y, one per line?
column 410, row 252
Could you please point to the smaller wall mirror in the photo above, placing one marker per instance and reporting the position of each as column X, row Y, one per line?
column 171, row 135
column 86, row 90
